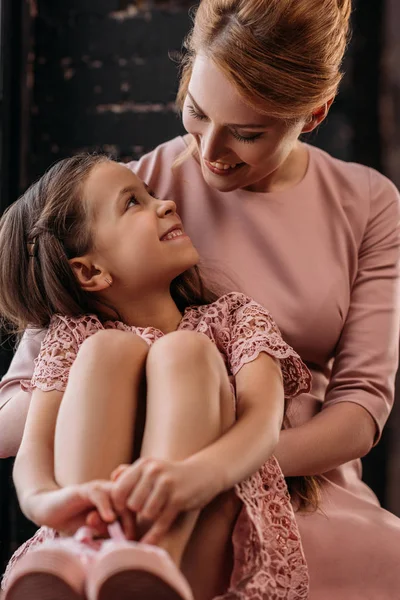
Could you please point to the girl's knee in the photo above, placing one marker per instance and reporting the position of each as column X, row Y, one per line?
column 112, row 345
column 185, row 347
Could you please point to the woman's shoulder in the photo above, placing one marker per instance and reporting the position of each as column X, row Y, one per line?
column 353, row 180
column 156, row 163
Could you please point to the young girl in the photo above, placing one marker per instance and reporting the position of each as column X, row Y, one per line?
column 89, row 253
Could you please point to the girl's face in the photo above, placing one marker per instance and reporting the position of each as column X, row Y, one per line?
column 138, row 239
column 238, row 147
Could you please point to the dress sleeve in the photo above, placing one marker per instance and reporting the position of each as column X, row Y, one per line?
column 58, row 352
column 366, row 357
column 252, row 330
column 22, row 364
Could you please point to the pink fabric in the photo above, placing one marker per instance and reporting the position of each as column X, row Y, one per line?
column 324, row 258
column 239, row 327
column 269, row 561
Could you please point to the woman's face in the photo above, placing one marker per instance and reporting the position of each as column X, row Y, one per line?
column 238, row 147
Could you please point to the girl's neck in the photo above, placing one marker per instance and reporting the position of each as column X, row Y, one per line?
column 155, row 310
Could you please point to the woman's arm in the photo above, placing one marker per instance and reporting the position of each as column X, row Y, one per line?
column 336, row 435
column 14, row 402
column 12, row 422
column 360, row 393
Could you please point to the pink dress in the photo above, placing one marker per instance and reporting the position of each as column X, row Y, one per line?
column 324, row 258
column 269, row 563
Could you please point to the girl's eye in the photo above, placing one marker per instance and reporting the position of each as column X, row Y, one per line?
column 195, row 114
column 131, row 202
column 246, row 140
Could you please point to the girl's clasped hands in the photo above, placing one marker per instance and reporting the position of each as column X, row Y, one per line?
column 146, row 497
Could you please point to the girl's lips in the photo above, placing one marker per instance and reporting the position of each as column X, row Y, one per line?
column 222, row 172
column 176, row 233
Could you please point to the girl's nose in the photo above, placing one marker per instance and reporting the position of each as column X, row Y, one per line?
column 165, row 208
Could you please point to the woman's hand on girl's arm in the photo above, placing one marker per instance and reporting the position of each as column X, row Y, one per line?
column 336, row 435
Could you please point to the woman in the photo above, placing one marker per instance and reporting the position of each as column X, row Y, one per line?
column 311, row 237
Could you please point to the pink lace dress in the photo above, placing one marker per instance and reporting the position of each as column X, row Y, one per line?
column 269, row 563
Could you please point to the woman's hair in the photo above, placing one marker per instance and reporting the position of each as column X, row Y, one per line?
column 46, row 227
column 283, row 56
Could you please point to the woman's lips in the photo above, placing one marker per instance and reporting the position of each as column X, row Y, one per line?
column 222, row 169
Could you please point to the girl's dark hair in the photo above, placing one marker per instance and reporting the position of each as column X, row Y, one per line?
column 40, row 232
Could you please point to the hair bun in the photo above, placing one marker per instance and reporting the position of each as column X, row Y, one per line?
column 345, row 8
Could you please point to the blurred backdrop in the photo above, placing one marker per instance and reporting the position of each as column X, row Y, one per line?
column 102, row 75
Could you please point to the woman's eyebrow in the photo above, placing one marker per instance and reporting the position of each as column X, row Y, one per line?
column 235, row 125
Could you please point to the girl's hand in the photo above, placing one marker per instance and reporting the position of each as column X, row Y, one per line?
column 158, row 490
column 65, row 509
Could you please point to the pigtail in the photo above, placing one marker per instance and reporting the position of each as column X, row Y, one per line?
column 17, row 291
column 39, row 233
column 53, row 276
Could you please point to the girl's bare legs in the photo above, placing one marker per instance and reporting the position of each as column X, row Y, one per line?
column 189, row 406
column 96, row 422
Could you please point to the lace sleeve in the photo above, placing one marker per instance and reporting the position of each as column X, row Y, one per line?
column 253, row 331
column 58, row 352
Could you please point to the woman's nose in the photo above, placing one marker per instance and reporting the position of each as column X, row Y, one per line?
column 165, row 208
column 212, row 144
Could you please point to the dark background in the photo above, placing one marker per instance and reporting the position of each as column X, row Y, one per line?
column 98, row 75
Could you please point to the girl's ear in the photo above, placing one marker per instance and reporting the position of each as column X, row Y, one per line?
column 91, row 278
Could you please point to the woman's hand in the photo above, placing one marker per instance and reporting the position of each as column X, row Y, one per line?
column 158, row 490
column 66, row 509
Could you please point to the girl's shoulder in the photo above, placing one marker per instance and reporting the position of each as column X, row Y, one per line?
column 227, row 306
column 78, row 328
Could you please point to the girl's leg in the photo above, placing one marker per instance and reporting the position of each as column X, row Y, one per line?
column 189, row 406
column 96, row 422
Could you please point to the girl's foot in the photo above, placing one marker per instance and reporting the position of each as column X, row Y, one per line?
column 51, row 573
column 125, row 570
column 54, row 570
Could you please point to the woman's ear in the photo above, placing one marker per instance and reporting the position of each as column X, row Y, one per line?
column 317, row 117
column 91, row 277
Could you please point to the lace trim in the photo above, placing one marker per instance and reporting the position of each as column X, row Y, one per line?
column 269, row 559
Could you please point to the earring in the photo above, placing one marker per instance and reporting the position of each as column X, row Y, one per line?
column 107, row 280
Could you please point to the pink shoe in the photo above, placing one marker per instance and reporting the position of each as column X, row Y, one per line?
column 126, row 570
column 51, row 573
column 54, row 571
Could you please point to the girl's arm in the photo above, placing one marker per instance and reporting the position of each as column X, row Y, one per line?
column 253, row 438
column 34, row 465
column 41, row 499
